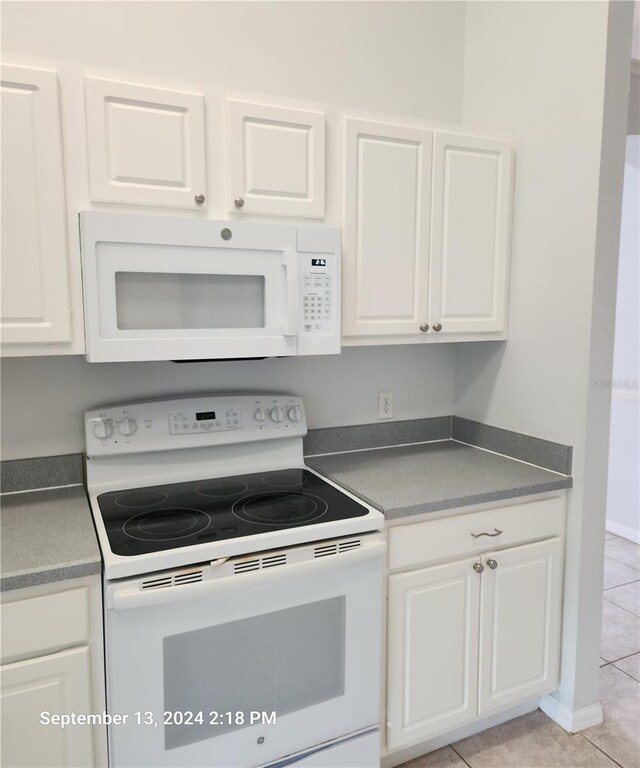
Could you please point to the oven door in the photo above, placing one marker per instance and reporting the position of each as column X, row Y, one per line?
column 159, row 288
column 246, row 669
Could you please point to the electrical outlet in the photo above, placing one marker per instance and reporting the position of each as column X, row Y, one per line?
column 385, row 405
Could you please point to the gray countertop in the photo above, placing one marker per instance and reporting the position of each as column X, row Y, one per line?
column 47, row 536
column 428, row 477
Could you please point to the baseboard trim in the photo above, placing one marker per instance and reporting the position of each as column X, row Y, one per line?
column 572, row 720
column 404, row 754
column 624, row 531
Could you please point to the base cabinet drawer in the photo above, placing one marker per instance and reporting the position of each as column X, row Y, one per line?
column 417, row 544
column 470, row 638
column 44, row 624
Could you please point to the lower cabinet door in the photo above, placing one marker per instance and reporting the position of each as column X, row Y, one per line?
column 55, row 684
column 520, row 624
column 432, row 651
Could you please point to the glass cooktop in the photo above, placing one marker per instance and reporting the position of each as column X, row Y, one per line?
column 143, row 520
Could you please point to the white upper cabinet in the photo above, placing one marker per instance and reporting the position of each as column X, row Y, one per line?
column 469, row 234
column 35, row 275
column 387, row 202
column 146, row 145
column 276, row 160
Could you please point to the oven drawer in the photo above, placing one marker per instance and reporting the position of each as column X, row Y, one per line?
column 416, row 544
column 44, row 624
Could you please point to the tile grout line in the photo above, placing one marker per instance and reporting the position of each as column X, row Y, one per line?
column 459, row 755
column 611, row 557
column 635, row 615
column 623, row 672
column 588, row 740
column 624, row 584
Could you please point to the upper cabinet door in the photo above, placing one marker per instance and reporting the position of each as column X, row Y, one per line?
column 146, row 145
column 276, row 160
column 35, row 276
column 386, row 228
column 470, row 231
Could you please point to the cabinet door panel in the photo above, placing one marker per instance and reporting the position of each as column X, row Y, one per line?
column 276, row 160
column 386, row 253
column 470, row 233
column 432, row 651
column 56, row 684
column 35, row 277
column 520, row 624
column 146, row 145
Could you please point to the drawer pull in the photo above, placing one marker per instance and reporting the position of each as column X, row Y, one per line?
column 496, row 532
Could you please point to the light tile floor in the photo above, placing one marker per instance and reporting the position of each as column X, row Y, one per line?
column 535, row 741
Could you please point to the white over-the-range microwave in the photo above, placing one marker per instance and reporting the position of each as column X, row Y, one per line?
column 166, row 288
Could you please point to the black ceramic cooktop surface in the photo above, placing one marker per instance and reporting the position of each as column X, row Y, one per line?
column 143, row 520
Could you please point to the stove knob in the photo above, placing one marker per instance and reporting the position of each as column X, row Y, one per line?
column 259, row 414
column 127, row 426
column 276, row 414
column 294, row 413
column 102, row 428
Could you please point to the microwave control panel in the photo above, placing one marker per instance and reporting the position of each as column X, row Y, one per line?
column 318, row 292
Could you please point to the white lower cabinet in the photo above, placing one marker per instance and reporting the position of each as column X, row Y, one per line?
column 55, row 684
column 519, row 624
column 474, row 636
column 433, row 651
column 52, row 663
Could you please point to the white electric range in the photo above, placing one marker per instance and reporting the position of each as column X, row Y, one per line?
column 243, row 591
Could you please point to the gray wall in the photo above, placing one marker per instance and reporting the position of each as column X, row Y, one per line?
column 565, row 98
column 43, row 398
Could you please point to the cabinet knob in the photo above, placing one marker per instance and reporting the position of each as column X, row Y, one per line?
column 478, row 567
column 424, row 327
column 199, row 198
column 437, row 326
column 493, row 564
column 239, row 202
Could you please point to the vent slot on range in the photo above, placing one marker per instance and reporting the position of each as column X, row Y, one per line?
column 173, row 581
column 333, row 549
column 260, row 563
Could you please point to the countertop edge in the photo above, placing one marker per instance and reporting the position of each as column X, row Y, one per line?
column 36, row 578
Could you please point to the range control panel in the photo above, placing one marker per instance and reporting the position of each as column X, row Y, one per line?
column 192, row 422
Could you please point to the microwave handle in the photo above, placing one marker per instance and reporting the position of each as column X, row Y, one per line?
column 291, row 319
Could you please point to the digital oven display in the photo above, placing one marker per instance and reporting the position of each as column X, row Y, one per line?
column 318, row 262
column 205, row 415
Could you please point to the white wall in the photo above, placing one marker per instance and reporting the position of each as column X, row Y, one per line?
column 623, row 493
column 397, row 58
column 391, row 57
column 527, row 70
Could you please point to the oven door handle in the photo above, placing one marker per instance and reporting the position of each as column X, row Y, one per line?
column 291, row 319
column 125, row 597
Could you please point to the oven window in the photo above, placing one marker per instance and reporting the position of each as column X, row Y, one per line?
column 275, row 662
column 162, row 300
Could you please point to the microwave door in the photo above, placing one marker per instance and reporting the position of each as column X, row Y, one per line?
column 182, row 302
